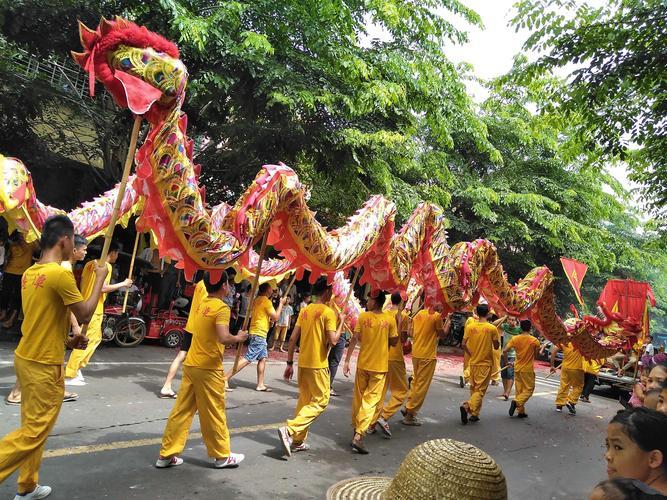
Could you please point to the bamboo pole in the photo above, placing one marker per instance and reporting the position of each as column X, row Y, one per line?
column 129, row 159
column 32, row 224
column 253, row 292
column 341, row 322
column 289, row 287
column 129, row 274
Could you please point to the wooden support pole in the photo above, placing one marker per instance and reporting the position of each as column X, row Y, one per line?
column 129, row 160
column 129, row 274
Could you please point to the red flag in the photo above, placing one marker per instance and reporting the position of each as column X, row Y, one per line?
column 575, row 272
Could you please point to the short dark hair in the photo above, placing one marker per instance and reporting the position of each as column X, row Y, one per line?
column 54, row 229
column 320, row 287
column 379, row 296
column 80, row 241
column 396, row 298
column 624, row 489
column 263, row 288
column 646, row 428
column 482, row 310
column 525, row 325
column 115, row 246
column 231, row 272
column 214, row 287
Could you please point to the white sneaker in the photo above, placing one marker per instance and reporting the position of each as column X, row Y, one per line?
column 286, row 440
column 38, row 492
column 74, row 382
column 79, row 376
column 163, row 463
column 231, row 462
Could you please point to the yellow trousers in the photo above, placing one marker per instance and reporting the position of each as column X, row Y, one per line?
column 524, row 385
column 367, row 393
column 281, row 333
column 79, row 358
column 314, row 395
column 42, row 390
column 201, row 391
column 466, row 368
column 422, row 374
column 480, row 376
column 397, row 382
column 571, row 385
column 495, row 368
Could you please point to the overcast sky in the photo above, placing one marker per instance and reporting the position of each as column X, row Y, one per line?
column 491, row 51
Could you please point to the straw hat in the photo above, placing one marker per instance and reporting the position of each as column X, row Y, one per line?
column 438, row 469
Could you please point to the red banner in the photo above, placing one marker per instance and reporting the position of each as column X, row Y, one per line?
column 629, row 298
column 575, row 272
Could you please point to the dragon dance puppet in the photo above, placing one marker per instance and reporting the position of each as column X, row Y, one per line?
column 143, row 72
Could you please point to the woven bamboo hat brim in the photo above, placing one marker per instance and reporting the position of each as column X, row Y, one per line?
column 438, row 469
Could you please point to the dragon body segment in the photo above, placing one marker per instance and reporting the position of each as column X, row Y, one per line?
column 143, row 72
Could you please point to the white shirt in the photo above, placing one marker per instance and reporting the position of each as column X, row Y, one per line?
column 649, row 349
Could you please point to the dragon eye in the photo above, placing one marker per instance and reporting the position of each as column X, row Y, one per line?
column 125, row 63
column 159, row 77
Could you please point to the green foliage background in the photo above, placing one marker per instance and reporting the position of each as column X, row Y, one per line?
column 300, row 81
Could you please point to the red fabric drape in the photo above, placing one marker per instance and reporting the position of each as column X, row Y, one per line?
column 629, row 298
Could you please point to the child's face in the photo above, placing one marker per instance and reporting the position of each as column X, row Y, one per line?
column 662, row 401
column 644, row 377
column 624, row 457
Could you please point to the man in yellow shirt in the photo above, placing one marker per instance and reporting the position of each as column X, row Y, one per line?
column 591, row 370
column 427, row 327
column 49, row 293
column 397, row 379
column 263, row 314
column 316, row 328
column 203, row 387
column 79, row 358
column 571, row 377
column 526, row 348
column 480, row 338
column 18, row 260
column 376, row 332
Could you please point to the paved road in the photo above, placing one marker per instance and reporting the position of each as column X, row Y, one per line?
column 104, row 446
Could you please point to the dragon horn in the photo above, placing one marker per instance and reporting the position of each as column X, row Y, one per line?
column 80, row 58
column 87, row 36
column 106, row 26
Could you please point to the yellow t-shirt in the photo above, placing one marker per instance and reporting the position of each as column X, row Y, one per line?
column 593, row 366
column 396, row 351
column 20, row 258
column 375, row 329
column 206, row 351
column 315, row 320
column 425, row 328
column 479, row 337
column 88, row 282
column 199, row 294
column 260, row 321
column 572, row 359
column 524, row 346
column 46, row 291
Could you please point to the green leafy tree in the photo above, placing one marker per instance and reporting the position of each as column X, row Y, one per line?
column 616, row 57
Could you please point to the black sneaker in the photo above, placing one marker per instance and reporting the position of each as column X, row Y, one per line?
column 474, row 418
column 513, row 406
column 522, row 415
column 571, row 409
column 464, row 414
column 559, row 409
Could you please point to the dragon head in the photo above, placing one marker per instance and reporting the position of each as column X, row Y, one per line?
column 139, row 68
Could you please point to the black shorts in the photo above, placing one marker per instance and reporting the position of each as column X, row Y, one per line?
column 187, row 341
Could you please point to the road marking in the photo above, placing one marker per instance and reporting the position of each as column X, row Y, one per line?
column 136, row 443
